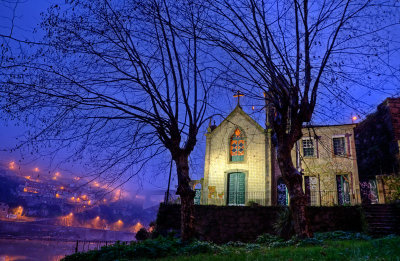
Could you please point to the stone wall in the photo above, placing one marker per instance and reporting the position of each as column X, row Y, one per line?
column 222, row 224
column 377, row 141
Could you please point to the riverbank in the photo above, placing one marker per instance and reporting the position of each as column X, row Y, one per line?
column 34, row 231
column 42, row 250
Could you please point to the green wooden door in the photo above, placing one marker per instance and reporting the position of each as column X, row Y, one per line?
column 236, row 188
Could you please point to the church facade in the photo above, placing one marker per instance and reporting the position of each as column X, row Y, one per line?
column 241, row 166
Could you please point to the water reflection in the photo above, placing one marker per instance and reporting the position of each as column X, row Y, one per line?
column 35, row 250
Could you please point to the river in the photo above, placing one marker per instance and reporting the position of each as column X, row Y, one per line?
column 40, row 250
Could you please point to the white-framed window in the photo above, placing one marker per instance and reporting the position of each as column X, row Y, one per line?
column 339, row 146
column 308, row 147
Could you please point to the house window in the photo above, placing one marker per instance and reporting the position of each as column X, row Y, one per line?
column 308, row 147
column 237, row 146
column 339, row 148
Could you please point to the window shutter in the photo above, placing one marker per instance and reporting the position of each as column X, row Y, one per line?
column 241, row 189
column 232, row 188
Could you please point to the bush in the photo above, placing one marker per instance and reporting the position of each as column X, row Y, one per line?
column 252, row 203
column 268, row 239
column 341, row 235
column 150, row 248
column 142, row 234
column 284, row 225
column 199, row 247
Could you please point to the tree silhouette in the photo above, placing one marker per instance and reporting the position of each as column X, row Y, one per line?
column 298, row 52
column 118, row 83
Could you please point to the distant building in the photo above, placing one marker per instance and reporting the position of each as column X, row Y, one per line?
column 3, row 209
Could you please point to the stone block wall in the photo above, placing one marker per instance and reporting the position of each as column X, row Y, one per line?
column 394, row 107
column 377, row 141
column 222, row 224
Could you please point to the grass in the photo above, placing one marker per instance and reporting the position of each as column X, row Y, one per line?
column 338, row 245
column 376, row 249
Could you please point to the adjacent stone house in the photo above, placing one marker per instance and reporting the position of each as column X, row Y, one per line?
column 378, row 153
column 240, row 164
column 328, row 159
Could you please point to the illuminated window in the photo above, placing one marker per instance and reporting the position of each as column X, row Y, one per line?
column 237, row 146
column 339, row 148
column 308, row 147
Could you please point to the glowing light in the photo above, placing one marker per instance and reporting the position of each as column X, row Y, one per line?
column 57, row 195
column 96, row 184
column 54, row 178
column 57, row 174
column 36, row 169
column 78, row 199
column 77, row 178
column 120, row 221
column 89, row 202
column 12, row 165
column 18, row 211
column 354, row 118
column 73, row 198
column 137, row 227
column 71, row 214
column 97, row 217
column 252, row 107
column 25, row 190
column 28, row 177
column 61, row 187
column 84, row 197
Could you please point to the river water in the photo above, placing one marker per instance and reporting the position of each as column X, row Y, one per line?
column 38, row 250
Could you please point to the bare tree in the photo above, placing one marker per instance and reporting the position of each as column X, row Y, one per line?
column 117, row 83
column 297, row 52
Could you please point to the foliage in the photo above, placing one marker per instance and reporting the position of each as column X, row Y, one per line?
column 268, row 239
column 341, row 235
column 142, row 234
column 377, row 249
column 252, row 203
column 284, row 224
column 150, row 248
column 330, row 245
column 393, row 183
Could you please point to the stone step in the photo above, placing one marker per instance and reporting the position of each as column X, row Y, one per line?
column 379, row 211
column 392, row 217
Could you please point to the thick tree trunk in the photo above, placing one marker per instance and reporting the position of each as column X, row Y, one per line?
column 186, row 194
column 298, row 199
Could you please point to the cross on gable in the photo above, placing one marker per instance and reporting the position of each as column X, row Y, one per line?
column 238, row 94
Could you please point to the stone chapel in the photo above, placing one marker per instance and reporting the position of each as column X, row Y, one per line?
column 241, row 166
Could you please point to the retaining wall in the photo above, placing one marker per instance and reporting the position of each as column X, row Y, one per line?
column 241, row 223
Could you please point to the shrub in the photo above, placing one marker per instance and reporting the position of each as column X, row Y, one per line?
column 309, row 242
column 341, row 235
column 142, row 234
column 252, row 203
column 199, row 247
column 268, row 239
column 284, row 225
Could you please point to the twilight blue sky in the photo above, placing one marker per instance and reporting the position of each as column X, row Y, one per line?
column 26, row 16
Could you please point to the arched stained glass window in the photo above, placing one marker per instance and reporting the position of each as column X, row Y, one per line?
column 237, row 148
